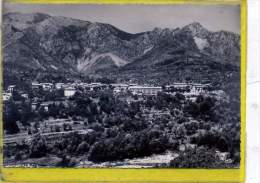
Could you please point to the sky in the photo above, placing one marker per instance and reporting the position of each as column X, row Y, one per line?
column 140, row 18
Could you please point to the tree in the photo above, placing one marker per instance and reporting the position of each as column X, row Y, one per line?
column 53, row 110
column 198, row 158
column 83, row 148
column 26, row 114
column 16, row 96
column 38, row 148
column 11, row 115
column 134, row 125
column 66, row 161
column 212, row 139
column 57, row 128
column 67, row 127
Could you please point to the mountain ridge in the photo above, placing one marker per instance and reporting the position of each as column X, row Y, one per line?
column 53, row 44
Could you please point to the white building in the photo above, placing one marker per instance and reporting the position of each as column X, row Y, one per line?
column 95, row 86
column 7, row 96
column 192, row 88
column 46, row 86
column 117, row 90
column 36, row 85
column 197, row 88
column 178, row 86
column 45, row 106
column 11, row 88
column 59, row 85
column 119, row 87
column 145, row 90
column 34, row 106
column 25, row 95
column 70, row 91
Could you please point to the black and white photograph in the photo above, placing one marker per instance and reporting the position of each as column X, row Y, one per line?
column 121, row 86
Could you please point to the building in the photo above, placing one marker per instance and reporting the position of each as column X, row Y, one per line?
column 145, row 90
column 7, row 96
column 193, row 88
column 117, row 90
column 11, row 88
column 25, row 95
column 119, row 87
column 96, row 84
column 45, row 106
column 178, row 87
column 92, row 86
column 197, row 88
column 47, row 86
column 34, row 106
column 36, row 86
column 54, row 137
column 59, row 85
column 70, row 91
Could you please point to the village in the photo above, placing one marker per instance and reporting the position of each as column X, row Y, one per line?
column 121, row 90
column 69, row 89
column 59, row 111
column 56, row 128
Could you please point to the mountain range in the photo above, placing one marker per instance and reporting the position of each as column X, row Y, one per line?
column 39, row 44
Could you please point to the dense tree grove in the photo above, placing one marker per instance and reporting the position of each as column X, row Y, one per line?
column 201, row 157
column 10, row 117
column 120, row 130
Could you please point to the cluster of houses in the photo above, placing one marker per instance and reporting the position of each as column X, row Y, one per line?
column 49, row 128
column 9, row 93
column 188, row 89
column 69, row 89
column 136, row 89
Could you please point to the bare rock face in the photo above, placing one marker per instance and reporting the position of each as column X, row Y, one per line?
column 59, row 44
column 222, row 45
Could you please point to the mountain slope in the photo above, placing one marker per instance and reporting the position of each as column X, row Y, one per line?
column 40, row 43
column 223, row 44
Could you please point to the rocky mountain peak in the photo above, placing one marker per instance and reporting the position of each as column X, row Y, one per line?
column 195, row 25
column 29, row 18
column 43, row 42
column 196, row 29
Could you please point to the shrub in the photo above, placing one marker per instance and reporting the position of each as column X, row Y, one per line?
column 198, row 158
column 82, row 148
column 38, row 148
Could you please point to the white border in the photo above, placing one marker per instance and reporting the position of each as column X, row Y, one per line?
column 253, row 94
